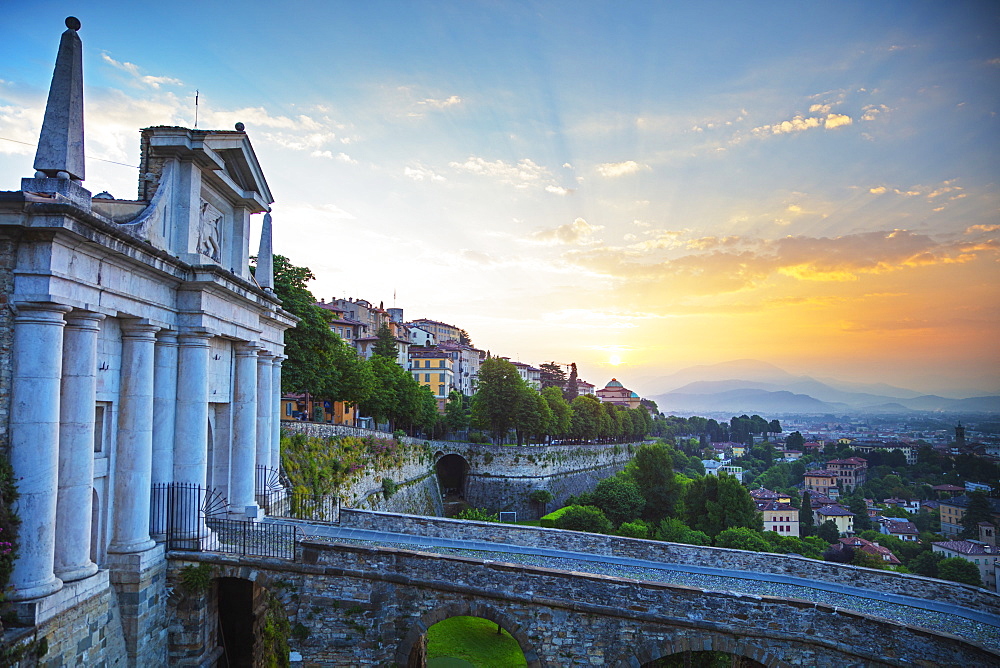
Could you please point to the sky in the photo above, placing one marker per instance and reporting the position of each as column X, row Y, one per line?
column 637, row 187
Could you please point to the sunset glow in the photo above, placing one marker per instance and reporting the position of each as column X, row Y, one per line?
column 644, row 186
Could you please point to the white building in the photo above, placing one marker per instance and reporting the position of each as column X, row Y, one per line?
column 141, row 351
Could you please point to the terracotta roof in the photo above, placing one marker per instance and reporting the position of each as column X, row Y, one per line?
column 871, row 548
column 901, row 526
column 965, row 547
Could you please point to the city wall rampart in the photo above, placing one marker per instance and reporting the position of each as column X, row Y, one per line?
column 498, row 477
column 676, row 553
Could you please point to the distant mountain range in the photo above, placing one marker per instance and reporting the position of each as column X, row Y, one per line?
column 750, row 386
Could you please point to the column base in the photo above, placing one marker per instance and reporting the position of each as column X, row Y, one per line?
column 78, row 573
column 36, row 590
column 40, row 610
column 130, row 548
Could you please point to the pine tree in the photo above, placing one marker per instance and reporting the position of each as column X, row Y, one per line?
column 386, row 344
column 807, row 526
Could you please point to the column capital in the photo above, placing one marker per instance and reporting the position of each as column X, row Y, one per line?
column 166, row 337
column 264, row 356
column 278, row 359
column 40, row 312
column 246, row 348
column 195, row 336
column 83, row 319
column 138, row 328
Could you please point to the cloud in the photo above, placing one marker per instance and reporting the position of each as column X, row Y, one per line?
column 441, row 104
column 871, row 112
column 613, row 170
column 801, row 123
column 982, row 228
column 522, row 175
column 421, row 173
column 138, row 78
column 558, row 190
column 713, row 265
column 579, row 232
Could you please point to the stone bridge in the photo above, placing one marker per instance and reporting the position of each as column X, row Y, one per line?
column 360, row 605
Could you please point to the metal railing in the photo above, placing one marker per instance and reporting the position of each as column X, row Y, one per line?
column 300, row 505
column 190, row 517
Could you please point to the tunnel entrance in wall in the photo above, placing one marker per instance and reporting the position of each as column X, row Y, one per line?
column 452, row 473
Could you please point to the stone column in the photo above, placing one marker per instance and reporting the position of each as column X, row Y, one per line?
column 134, row 457
column 191, row 434
column 164, row 415
column 276, row 412
column 77, row 399
column 264, row 408
column 191, row 426
column 34, row 443
column 243, row 472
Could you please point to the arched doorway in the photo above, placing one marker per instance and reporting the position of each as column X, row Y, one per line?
column 461, row 631
column 253, row 628
column 452, row 472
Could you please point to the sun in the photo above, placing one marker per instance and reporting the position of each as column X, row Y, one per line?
column 615, row 359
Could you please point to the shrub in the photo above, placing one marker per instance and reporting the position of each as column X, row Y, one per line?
column 619, row 498
column 636, row 529
column 584, row 518
column 958, row 569
column 389, row 487
column 478, row 515
column 742, row 538
column 550, row 519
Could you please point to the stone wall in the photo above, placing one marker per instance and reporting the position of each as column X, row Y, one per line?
column 366, row 606
column 500, row 477
column 87, row 632
column 714, row 557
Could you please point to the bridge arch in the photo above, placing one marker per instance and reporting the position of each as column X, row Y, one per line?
column 700, row 640
column 466, row 608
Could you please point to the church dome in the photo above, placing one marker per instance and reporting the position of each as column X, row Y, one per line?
column 614, row 383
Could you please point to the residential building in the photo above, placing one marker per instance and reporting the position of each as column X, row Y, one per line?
column 467, row 362
column 780, row 517
column 953, row 510
column 899, row 528
column 851, row 472
column 616, row 393
column 583, row 387
column 434, row 368
column 864, row 447
column 822, row 481
column 874, row 549
column 842, row 517
column 421, row 337
column 529, row 374
column 983, row 555
column 442, row 330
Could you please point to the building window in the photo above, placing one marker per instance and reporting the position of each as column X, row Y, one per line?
column 441, row 363
column 440, row 377
column 440, row 390
column 99, row 413
column 427, row 378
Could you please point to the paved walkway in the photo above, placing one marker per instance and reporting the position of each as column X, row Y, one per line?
column 972, row 624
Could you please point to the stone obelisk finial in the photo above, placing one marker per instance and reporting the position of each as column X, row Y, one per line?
column 265, row 257
column 60, row 145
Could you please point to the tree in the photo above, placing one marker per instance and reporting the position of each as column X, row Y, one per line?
column 978, row 511
column 619, row 498
column 807, row 524
column 386, row 344
column 858, row 506
column 828, row 531
column 716, row 503
column 562, row 413
column 584, row 518
column 586, row 422
column 926, row 564
column 463, row 337
column 742, row 538
column 652, row 469
column 571, row 392
column 310, row 345
column 456, row 412
column 636, row 529
column 500, row 389
column 794, row 441
column 958, row 569
column 552, row 375
column 541, row 497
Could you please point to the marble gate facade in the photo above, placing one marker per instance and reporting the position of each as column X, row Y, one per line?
column 135, row 348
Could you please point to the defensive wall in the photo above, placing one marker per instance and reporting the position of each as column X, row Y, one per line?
column 356, row 605
column 495, row 477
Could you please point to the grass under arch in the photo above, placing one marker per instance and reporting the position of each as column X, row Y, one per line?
column 473, row 641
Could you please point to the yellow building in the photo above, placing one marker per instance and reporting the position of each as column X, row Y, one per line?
column 434, row 368
column 843, row 518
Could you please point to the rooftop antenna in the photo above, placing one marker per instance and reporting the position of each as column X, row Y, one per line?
column 196, row 108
